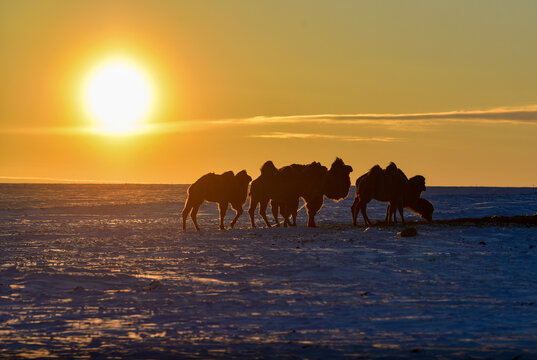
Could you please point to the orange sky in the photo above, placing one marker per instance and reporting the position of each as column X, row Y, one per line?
column 444, row 89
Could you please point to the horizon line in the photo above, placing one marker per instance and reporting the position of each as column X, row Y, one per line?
column 60, row 181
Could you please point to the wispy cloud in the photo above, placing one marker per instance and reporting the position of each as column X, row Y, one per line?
column 407, row 121
column 524, row 115
column 290, row 135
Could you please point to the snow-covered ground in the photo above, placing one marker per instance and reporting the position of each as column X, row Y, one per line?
column 103, row 271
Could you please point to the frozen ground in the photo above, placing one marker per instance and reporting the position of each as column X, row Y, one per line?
column 103, row 271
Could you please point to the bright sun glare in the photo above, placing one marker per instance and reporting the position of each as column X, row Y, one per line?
column 118, row 95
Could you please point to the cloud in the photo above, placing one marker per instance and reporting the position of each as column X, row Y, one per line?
column 408, row 122
column 512, row 115
column 290, row 135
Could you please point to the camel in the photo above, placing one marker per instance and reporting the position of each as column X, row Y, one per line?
column 223, row 189
column 295, row 181
column 261, row 192
column 413, row 189
column 338, row 181
column 311, row 182
column 382, row 185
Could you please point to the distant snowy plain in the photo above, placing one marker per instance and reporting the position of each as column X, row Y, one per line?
column 104, row 271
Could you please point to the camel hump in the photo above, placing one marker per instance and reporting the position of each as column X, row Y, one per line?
column 205, row 178
column 338, row 163
column 227, row 175
column 392, row 167
column 287, row 169
column 375, row 170
column 243, row 175
column 268, row 168
column 316, row 168
column 202, row 182
column 293, row 169
column 316, row 165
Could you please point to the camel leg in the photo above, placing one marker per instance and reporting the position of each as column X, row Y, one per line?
column 238, row 211
column 388, row 214
column 311, row 220
column 263, row 211
column 290, row 212
column 393, row 213
column 363, row 208
column 394, row 206
column 294, row 211
column 313, row 206
column 355, row 209
column 285, row 216
column 251, row 210
column 186, row 211
column 401, row 213
column 284, row 210
column 222, row 208
column 274, row 209
column 194, row 216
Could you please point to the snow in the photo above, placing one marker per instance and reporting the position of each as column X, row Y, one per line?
column 104, row 271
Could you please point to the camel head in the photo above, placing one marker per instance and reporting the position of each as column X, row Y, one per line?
column 339, row 166
column 375, row 171
column 391, row 167
column 424, row 208
column 338, row 182
column 418, row 183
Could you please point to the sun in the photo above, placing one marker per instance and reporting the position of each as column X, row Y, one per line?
column 118, row 95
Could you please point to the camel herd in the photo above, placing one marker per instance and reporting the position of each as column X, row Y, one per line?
column 284, row 187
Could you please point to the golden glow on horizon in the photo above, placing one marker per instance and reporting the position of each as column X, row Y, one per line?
column 118, row 95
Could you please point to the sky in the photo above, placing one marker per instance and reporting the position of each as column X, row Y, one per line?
column 445, row 89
